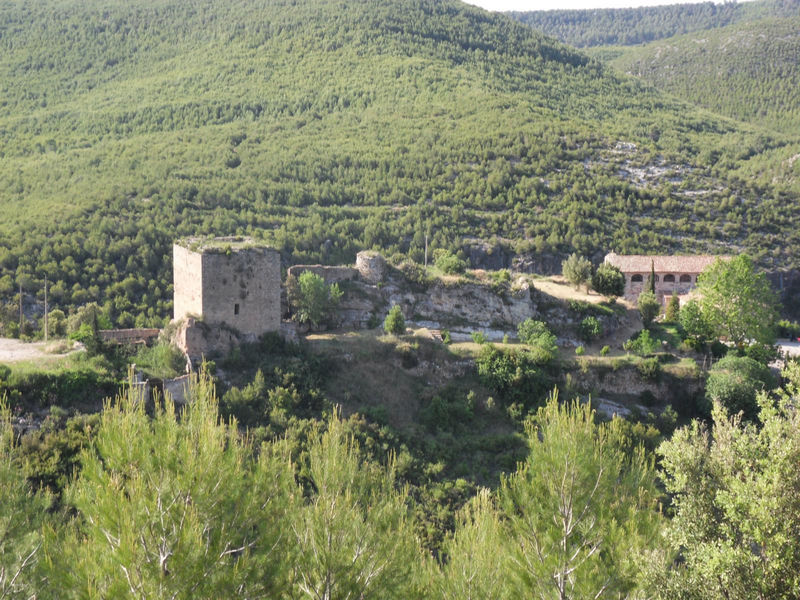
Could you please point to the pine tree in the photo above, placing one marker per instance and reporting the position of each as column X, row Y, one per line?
column 354, row 535
column 673, row 309
column 580, row 510
column 175, row 506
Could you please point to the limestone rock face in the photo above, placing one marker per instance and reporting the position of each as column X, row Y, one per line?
column 449, row 305
column 197, row 339
column 474, row 304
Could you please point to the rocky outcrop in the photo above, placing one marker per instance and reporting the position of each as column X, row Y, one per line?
column 627, row 382
column 536, row 262
column 470, row 304
column 197, row 339
column 485, row 255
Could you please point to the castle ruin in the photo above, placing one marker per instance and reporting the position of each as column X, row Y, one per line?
column 230, row 281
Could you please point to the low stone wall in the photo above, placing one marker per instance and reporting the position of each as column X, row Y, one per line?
column 178, row 389
column 329, row 274
column 128, row 336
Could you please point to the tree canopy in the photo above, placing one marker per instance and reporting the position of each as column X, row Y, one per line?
column 736, row 503
column 737, row 301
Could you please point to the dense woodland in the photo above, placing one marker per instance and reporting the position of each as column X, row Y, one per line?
column 328, row 128
column 748, row 71
column 735, row 59
column 632, row 26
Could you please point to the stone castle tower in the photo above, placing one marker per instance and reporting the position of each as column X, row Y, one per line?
column 231, row 281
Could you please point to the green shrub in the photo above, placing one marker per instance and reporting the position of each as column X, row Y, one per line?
column 479, row 337
column 577, row 270
column 500, row 280
column 394, row 323
column 589, row 329
column 673, row 310
column 449, row 263
column 718, row 349
column 446, row 339
column 735, row 381
column 536, row 333
column 313, row 302
column 608, row 280
column 512, row 375
column 649, row 368
column 643, row 344
column 763, row 353
column 605, row 350
column 580, row 351
column 649, row 307
column 693, row 322
column 162, row 361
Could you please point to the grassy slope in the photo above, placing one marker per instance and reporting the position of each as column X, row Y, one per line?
column 749, row 71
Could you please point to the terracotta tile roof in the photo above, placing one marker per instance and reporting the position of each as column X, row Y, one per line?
column 640, row 263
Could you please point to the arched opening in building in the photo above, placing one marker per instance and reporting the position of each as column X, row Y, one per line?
column 669, row 278
column 636, row 278
column 686, row 279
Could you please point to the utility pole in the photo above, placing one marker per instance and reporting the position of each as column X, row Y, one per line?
column 45, row 308
column 426, row 250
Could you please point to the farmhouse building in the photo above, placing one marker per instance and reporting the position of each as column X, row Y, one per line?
column 228, row 281
column 673, row 274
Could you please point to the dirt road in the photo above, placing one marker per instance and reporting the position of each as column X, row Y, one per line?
column 12, row 350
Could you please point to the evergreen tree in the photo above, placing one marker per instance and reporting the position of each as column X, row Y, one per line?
column 22, row 514
column 353, row 536
column 477, row 554
column 609, row 281
column 673, row 309
column 394, row 323
column 580, row 510
column 313, row 301
column 738, row 302
column 649, row 307
column 174, row 507
column 577, row 270
column 736, row 497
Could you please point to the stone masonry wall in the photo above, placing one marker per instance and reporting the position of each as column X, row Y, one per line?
column 239, row 287
column 242, row 289
column 187, row 267
column 329, row 274
column 371, row 266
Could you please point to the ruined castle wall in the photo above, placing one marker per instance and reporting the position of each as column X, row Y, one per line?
column 371, row 266
column 187, row 283
column 242, row 289
column 329, row 274
column 238, row 287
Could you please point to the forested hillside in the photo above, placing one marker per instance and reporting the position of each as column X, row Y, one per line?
column 749, row 71
column 326, row 127
column 631, row 26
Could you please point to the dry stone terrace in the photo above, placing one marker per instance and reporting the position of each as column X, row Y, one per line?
column 673, row 274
